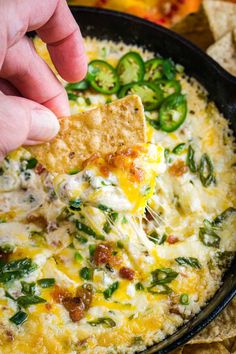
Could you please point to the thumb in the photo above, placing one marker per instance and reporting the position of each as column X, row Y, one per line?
column 24, row 122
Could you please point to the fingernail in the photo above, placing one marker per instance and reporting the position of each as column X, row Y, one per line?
column 44, row 125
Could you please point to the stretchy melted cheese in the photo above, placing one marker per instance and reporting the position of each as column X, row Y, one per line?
column 137, row 233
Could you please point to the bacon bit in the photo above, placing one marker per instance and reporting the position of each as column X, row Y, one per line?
column 102, row 254
column 52, row 226
column 171, row 239
column 115, row 261
column 4, row 257
column 48, row 306
column 38, row 220
column 75, row 307
column 127, row 273
column 104, row 171
column 86, row 296
column 39, row 169
column 10, row 335
column 58, row 294
column 148, row 215
column 91, row 159
column 71, row 155
column 178, row 168
column 175, row 311
column 137, row 173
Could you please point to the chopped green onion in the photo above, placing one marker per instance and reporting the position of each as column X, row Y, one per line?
column 159, row 289
column 75, row 204
column 158, row 239
column 206, row 171
column 84, row 228
column 163, row 275
column 190, row 160
column 184, row 299
column 19, row 318
column 86, row 273
column 28, row 288
column 178, row 148
column 209, row 238
column 78, row 257
column 16, row 269
column 46, row 282
column 31, row 163
column 120, row 244
column 104, row 208
column 191, row 261
column 139, row 286
column 223, row 216
column 6, row 247
column 110, row 290
column 92, row 250
column 106, row 322
column 26, row 301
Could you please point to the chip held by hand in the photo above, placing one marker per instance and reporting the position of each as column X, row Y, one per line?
column 100, row 130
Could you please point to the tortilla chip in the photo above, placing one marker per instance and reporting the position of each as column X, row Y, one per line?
column 177, row 351
column 222, row 328
column 195, row 27
column 213, row 20
column 229, row 343
column 214, row 348
column 224, row 52
column 221, row 16
column 103, row 130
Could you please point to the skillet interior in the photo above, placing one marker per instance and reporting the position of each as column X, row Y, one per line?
column 105, row 24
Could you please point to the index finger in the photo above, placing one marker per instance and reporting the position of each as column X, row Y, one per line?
column 65, row 43
column 56, row 26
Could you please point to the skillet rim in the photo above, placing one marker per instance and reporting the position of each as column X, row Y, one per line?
column 222, row 297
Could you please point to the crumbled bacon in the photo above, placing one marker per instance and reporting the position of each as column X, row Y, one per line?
column 39, row 169
column 38, row 220
column 48, row 306
column 137, row 173
column 58, row 294
column 148, row 215
column 127, row 273
column 91, row 159
column 171, row 239
column 102, row 254
column 178, row 168
column 4, row 257
column 85, row 293
column 75, row 306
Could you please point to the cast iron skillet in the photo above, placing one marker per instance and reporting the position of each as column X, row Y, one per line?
column 106, row 24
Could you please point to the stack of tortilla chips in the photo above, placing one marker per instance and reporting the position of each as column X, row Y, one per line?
column 213, row 28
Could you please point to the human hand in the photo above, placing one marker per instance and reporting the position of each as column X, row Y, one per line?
column 30, row 94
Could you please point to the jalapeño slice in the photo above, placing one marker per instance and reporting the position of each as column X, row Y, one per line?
column 150, row 94
column 102, row 77
column 77, row 86
column 130, row 68
column 168, row 87
column 154, row 69
column 173, row 112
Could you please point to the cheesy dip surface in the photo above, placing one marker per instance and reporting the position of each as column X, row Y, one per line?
column 116, row 256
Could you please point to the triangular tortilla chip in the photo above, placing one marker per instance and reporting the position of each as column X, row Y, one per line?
column 100, row 130
column 213, row 20
column 224, row 52
column 221, row 16
column 223, row 327
column 214, row 348
column 195, row 27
